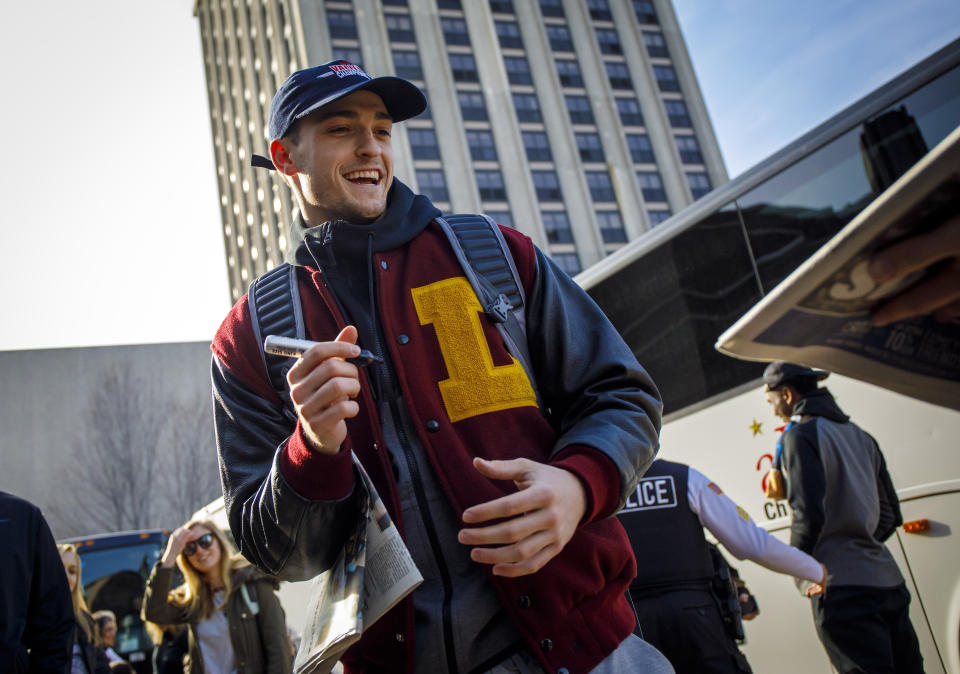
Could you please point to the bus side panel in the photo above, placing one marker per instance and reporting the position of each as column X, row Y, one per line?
column 934, row 558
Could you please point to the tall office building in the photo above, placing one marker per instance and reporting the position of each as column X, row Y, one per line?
column 579, row 122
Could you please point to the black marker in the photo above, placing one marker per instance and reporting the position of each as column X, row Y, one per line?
column 294, row 348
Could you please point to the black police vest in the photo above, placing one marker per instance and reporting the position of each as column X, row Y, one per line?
column 666, row 535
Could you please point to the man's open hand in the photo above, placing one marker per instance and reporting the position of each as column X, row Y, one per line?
column 322, row 388
column 538, row 520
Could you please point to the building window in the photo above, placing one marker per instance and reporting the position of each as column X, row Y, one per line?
column 464, row 68
column 611, row 227
column 537, row 146
column 599, row 10
column 395, row 3
column 657, row 216
column 407, row 64
column 568, row 262
column 481, row 145
column 472, row 106
column 689, row 150
column 423, row 143
column 502, row 218
column 449, row 4
column 601, row 189
column 557, row 227
column 629, row 110
column 569, row 73
column 528, row 110
column 518, row 70
column 399, row 27
column 432, row 184
column 501, row 6
column 677, row 113
column 551, row 8
column 454, row 30
column 589, row 146
column 640, row 149
column 509, row 34
column 656, row 46
column 547, row 185
column 609, row 41
column 490, row 184
column 699, row 184
column 342, row 24
column 651, row 186
column 666, row 78
column 351, row 54
column 559, row 37
column 619, row 75
column 645, row 11
column 578, row 107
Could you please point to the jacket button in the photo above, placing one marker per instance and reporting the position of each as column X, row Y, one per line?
column 399, row 637
column 546, row 645
column 402, row 339
column 433, row 426
column 523, row 601
column 383, row 264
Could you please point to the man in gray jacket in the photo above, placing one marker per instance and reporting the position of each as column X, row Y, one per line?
column 844, row 507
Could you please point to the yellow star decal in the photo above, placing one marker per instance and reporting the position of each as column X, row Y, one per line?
column 755, row 427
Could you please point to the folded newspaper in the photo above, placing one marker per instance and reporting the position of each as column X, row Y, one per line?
column 819, row 315
column 373, row 572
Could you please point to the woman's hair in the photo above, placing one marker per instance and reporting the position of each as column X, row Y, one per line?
column 81, row 611
column 195, row 594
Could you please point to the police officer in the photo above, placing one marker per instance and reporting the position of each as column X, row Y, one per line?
column 677, row 611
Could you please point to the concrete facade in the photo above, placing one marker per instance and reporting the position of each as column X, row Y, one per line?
column 45, row 413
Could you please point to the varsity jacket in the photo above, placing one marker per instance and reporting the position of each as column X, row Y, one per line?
column 844, row 504
column 289, row 508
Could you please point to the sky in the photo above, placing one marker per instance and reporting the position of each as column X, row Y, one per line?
column 109, row 218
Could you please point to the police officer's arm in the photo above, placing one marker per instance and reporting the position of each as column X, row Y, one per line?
column 741, row 536
column 806, row 485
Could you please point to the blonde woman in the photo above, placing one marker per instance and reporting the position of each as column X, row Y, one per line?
column 236, row 623
column 88, row 656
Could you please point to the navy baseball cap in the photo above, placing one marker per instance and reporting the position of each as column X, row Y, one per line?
column 312, row 88
column 780, row 372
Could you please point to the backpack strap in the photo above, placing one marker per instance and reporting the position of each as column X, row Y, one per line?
column 249, row 593
column 274, row 303
column 488, row 264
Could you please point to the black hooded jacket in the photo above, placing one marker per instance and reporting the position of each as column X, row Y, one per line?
column 36, row 612
column 843, row 501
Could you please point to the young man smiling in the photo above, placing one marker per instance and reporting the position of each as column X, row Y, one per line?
column 502, row 487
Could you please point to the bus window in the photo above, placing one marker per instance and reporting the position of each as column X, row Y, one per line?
column 670, row 305
column 793, row 213
column 115, row 571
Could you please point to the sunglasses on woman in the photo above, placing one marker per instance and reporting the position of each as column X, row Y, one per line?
column 205, row 541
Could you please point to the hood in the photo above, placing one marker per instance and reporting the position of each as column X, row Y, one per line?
column 820, row 403
column 406, row 216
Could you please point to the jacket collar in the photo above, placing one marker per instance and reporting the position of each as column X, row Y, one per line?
column 820, row 403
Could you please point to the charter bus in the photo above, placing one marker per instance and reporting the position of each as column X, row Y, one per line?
column 114, row 569
column 675, row 289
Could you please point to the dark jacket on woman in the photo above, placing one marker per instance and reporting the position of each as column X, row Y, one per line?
column 260, row 643
column 94, row 658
